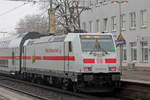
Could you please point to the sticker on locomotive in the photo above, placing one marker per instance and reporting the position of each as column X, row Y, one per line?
column 33, row 57
column 49, row 50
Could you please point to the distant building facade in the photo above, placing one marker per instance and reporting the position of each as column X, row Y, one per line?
column 104, row 16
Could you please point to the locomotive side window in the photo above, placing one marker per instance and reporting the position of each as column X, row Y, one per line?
column 103, row 43
column 3, row 63
column 70, row 46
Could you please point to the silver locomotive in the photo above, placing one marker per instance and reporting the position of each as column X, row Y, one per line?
column 78, row 61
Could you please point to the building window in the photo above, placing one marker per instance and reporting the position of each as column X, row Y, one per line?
column 133, row 54
column 123, row 21
column 97, row 26
column 84, row 26
column 133, row 51
column 90, row 26
column 105, row 21
column 132, row 20
column 145, row 52
column 124, row 53
column 113, row 23
column 143, row 18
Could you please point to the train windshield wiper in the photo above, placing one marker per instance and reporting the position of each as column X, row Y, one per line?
column 99, row 48
column 96, row 47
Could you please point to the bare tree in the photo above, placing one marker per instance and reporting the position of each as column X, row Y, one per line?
column 67, row 18
column 32, row 23
column 67, row 14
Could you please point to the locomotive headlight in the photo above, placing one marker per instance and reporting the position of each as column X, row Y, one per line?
column 112, row 68
column 87, row 69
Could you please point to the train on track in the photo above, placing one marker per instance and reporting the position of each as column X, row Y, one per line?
column 78, row 61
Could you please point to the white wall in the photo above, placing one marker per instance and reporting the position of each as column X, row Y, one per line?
column 139, row 34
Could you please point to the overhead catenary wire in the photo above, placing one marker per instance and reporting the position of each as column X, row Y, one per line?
column 11, row 10
column 28, row 1
column 43, row 13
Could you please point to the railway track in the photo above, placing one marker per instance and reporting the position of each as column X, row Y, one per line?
column 130, row 90
column 135, row 90
column 45, row 92
column 6, row 79
column 26, row 93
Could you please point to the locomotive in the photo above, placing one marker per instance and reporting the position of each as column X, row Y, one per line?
column 78, row 61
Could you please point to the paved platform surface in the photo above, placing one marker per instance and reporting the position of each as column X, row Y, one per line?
column 137, row 76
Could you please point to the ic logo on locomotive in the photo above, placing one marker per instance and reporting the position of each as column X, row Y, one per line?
column 49, row 50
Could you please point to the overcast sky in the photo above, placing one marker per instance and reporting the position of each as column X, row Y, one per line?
column 12, row 11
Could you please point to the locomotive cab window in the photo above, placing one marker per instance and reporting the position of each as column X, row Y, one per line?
column 70, row 46
column 101, row 43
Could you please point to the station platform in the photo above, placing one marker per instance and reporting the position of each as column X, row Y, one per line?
column 136, row 76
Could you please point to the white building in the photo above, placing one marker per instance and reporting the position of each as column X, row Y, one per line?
column 104, row 16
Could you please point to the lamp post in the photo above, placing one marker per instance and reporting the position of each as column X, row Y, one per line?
column 120, row 2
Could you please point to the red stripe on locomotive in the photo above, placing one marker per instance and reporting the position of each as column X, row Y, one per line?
column 72, row 58
column 110, row 61
column 88, row 60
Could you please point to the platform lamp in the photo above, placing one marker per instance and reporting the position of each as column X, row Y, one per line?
column 120, row 2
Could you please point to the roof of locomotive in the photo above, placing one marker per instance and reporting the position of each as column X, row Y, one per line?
column 45, row 39
column 59, row 38
column 14, row 41
column 71, row 36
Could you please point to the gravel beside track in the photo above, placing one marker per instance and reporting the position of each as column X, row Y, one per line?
column 3, row 98
column 45, row 92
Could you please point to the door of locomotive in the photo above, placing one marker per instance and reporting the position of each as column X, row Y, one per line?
column 15, row 59
column 24, row 57
column 66, row 56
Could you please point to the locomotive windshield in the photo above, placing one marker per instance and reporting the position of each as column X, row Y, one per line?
column 97, row 43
